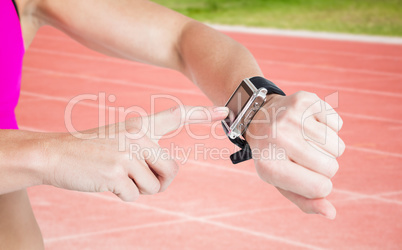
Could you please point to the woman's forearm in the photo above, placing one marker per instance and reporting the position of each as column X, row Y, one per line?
column 21, row 161
column 215, row 62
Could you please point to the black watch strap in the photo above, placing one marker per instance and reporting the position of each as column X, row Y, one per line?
column 245, row 152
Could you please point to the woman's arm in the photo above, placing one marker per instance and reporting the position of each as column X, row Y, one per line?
column 113, row 158
column 146, row 32
column 21, row 162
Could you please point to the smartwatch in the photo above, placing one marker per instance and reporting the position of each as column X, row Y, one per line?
column 244, row 103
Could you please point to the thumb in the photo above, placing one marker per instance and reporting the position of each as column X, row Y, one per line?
column 170, row 120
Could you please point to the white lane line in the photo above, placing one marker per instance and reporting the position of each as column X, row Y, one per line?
column 179, row 221
column 159, row 89
column 309, row 34
column 53, row 98
column 330, row 68
column 362, row 81
column 253, row 211
column 290, row 206
column 60, row 99
column 156, row 224
column 325, row 52
column 390, row 193
column 247, row 173
column 374, row 151
column 203, row 219
column 338, row 88
column 373, row 197
column 57, row 38
column 367, row 117
column 88, row 57
column 33, row 129
column 215, row 223
column 113, row 230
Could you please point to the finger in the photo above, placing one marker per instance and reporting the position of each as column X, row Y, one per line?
column 127, row 190
column 316, row 151
column 314, row 158
column 144, row 178
column 325, row 114
column 311, row 206
column 290, row 176
column 172, row 119
column 165, row 169
column 160, row 162
column 324, row 137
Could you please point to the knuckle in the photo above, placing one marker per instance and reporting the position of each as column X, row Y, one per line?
column 143, row 141
column 175, row 110
column 300, row 94
column 326, row 165
column 322, row 189
column 170, row 170
column 286, row 122
column 310, row 96
column 342, row 147
column 116, row 172
column 131, row 196
column 313, row 96
column 268, row 172
column 152, row 187
column 155, row 187
column 177, row 113
column 126, row 191
column 303, row 99
column 173, row 170
column 333, row 168
column 340, row 122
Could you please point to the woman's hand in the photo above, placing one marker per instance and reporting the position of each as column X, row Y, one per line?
column 126, row 160
column 301, row 133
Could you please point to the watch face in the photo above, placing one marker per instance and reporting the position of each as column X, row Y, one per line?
column 237, row 102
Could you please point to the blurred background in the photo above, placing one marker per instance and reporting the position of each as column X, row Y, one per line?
column 375, row 17
column 213, row 204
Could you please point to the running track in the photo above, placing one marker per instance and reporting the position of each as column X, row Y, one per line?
column 212, row 204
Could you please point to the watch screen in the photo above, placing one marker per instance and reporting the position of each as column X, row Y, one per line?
column 237, row 102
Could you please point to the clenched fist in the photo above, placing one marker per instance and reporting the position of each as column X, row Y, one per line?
column 305, row 128
column 92, row 162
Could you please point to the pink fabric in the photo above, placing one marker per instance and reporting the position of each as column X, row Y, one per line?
column 11, row 53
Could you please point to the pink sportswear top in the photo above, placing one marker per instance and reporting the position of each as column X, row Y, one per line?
column 11, row 53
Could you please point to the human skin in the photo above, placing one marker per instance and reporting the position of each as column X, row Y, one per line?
column 146, row 32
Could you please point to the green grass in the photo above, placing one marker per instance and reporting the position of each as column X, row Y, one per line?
column 375, row 17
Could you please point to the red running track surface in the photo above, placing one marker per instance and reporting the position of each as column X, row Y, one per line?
column 213, row 204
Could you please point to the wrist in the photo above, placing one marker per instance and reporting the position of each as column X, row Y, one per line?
column 257, row 91
column 32, row 159
column 21, row 161
column 38, row 153
column 49, row 154
column 261, row 126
